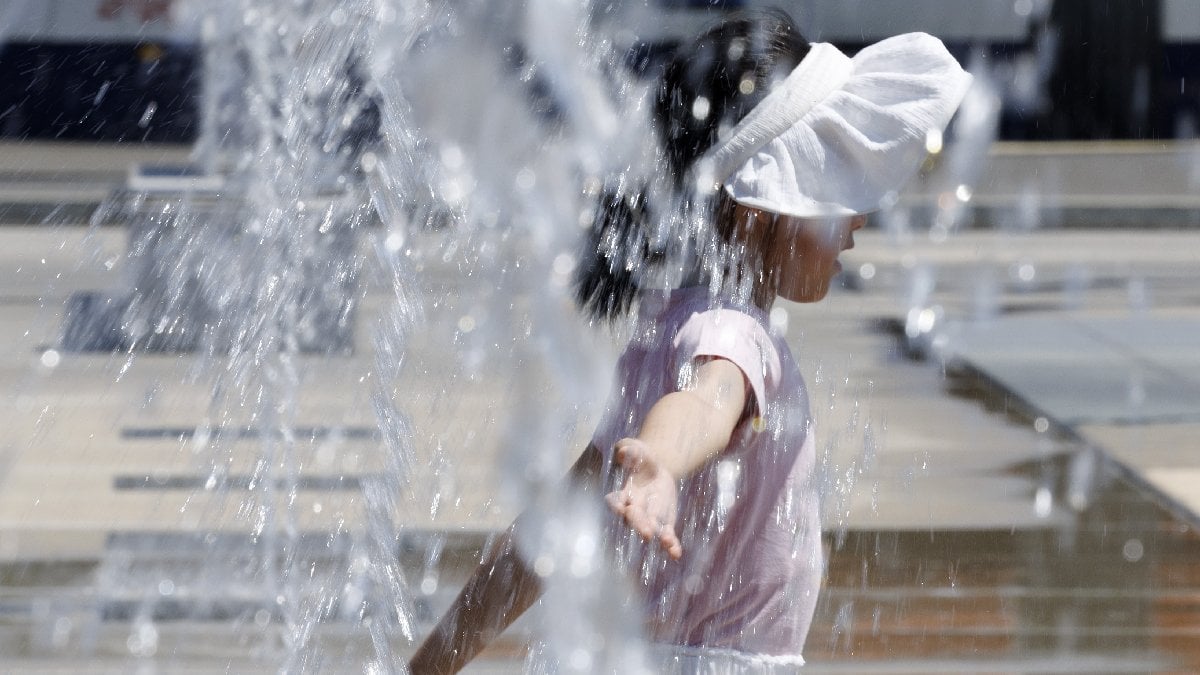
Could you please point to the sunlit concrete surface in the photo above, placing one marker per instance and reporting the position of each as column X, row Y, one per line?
column 974, row 527
column 1094, row 177
column 63, row 182
column 1134, row 367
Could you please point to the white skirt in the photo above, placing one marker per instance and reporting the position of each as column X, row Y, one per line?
column 660, row 659
column 710, row 661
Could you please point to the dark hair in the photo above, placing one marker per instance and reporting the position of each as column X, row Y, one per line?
column 709, row 83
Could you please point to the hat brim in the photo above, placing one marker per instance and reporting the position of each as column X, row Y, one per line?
column 849, row 152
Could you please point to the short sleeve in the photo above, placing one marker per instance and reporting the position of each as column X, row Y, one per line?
column 734, row 336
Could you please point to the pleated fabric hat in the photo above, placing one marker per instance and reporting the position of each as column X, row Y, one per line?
column 840, row 133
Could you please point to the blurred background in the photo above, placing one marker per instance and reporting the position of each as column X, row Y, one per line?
column 1071, row 69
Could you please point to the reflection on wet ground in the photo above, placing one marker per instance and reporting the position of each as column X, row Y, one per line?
column 1115, row 590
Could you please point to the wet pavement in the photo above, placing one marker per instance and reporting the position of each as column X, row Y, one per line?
column 1001, row 511
column 1113, row 589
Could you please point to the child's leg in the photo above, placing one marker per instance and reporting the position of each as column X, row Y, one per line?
column 499, row 591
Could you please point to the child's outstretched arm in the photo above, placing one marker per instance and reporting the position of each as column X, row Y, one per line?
column 682, row 432
column 498, row 592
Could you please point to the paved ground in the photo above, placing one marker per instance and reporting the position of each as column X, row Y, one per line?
column 1026, row 505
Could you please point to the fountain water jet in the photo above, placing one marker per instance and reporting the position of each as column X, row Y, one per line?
column 326, row 160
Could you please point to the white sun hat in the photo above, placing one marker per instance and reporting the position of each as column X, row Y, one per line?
column 839, row 133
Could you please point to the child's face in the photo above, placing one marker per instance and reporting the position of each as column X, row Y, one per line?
column 802, row 257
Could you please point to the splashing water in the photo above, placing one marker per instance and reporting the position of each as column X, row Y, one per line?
column 351, row 140
column 369, row 144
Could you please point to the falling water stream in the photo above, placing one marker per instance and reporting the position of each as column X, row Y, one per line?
column 341, row 132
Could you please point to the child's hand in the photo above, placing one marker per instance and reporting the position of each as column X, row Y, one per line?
column 649, row 499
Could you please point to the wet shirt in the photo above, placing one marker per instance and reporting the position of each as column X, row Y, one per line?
column 748, row 520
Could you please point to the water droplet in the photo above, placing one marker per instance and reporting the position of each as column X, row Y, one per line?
column 148, row 114
column 737, row 48
column 394, row 241
column 1133, row 550
column 543, row 566
column 779, row 320
column 581, row 660
column 1043, row 502
column 144, row 640
column 51, row 358
column 564, row 264
column 728, row 473
column 62, row 631
column 933, row 141
column 921, row 321
column 526, row 179
column 582, row 567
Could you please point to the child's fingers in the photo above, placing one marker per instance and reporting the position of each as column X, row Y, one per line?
column 643, row 508
column 651, row 527
column 645, row 521
column 641, row 521
column 630, row 453
column 671, row 544
column 618, row 502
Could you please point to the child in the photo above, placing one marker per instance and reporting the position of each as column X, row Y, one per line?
column 708, row 432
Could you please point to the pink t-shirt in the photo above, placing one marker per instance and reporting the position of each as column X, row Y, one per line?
column 749, row 522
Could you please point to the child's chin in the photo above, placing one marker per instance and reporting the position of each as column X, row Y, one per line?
column 808, row 295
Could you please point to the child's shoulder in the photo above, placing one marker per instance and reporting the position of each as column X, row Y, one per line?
column 685, row 303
